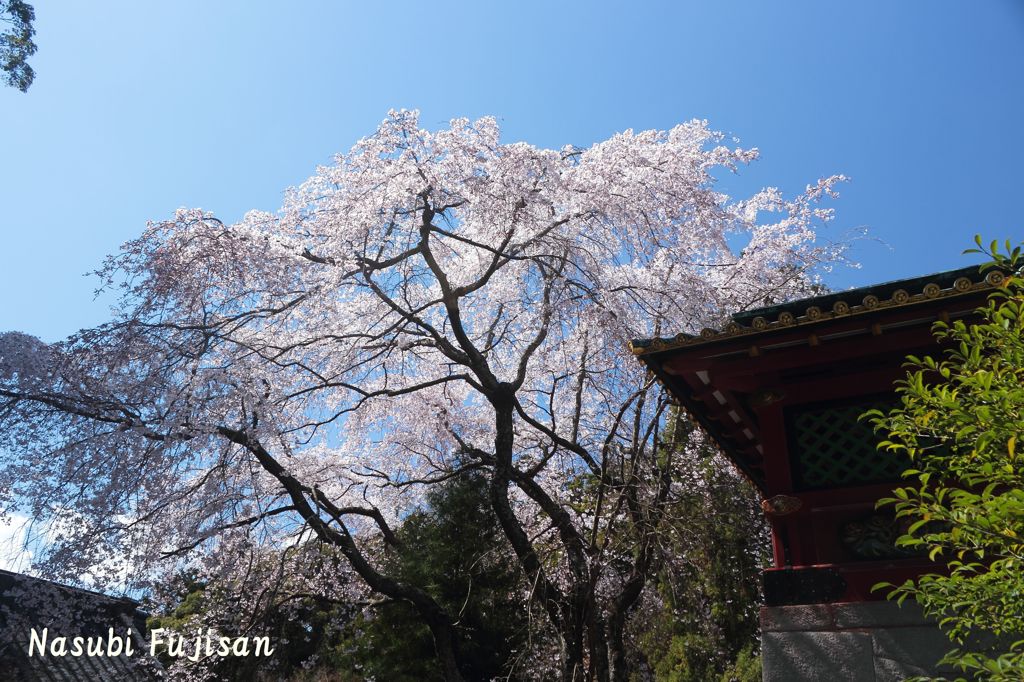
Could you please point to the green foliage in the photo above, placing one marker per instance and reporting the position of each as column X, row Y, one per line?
column 693, row 657
column 455, row 551
column 453, row 548
column 746, row 667
column 689, row 657
column 698, row 621
column 715, row 543
column 961, row 423
column 309, row 629
column 192, row 603
column 16, row 44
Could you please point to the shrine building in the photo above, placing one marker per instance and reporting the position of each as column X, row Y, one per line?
column 781, row 390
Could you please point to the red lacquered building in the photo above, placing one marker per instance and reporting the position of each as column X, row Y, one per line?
column 781, row 390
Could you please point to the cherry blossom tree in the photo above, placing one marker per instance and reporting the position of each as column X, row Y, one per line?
column 433, row 303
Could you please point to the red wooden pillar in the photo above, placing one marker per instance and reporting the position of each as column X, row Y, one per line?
column 780, row 389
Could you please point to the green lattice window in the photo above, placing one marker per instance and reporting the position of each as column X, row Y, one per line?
column 829, row 447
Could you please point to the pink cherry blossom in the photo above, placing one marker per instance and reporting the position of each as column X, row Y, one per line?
column 434, row 301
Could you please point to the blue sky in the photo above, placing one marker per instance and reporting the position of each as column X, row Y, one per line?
column 140, row 108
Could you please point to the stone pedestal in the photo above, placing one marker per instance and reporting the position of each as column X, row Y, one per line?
column 849, row 642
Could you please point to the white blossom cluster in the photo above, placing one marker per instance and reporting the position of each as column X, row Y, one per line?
column 348, row 351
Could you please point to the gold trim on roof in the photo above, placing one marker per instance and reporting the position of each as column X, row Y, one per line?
column 813, row 314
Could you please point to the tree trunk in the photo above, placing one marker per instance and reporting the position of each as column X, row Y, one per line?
column 572, row 659
column 436, row 619
column 599, row 661
column 445, row 646
column 618, row 668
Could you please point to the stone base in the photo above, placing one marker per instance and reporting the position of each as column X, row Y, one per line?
column 849, row 642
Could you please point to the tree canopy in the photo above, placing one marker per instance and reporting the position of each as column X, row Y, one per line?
column 16, row 44
column 960, row 422
column 432, row 304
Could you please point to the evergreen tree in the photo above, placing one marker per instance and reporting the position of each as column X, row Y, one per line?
column 16, row 44
column 704, row 623
column 453, row 549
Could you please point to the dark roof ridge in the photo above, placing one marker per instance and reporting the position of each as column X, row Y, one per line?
column 14, row 576
column 891, row 294
column 882, row 290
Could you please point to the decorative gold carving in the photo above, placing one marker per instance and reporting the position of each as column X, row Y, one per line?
column 995, row 278
column 781, row 505
column 932, row 290
column 767, row 397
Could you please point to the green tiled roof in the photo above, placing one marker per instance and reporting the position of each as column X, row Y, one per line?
column 882, row 292
column 837, row 304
